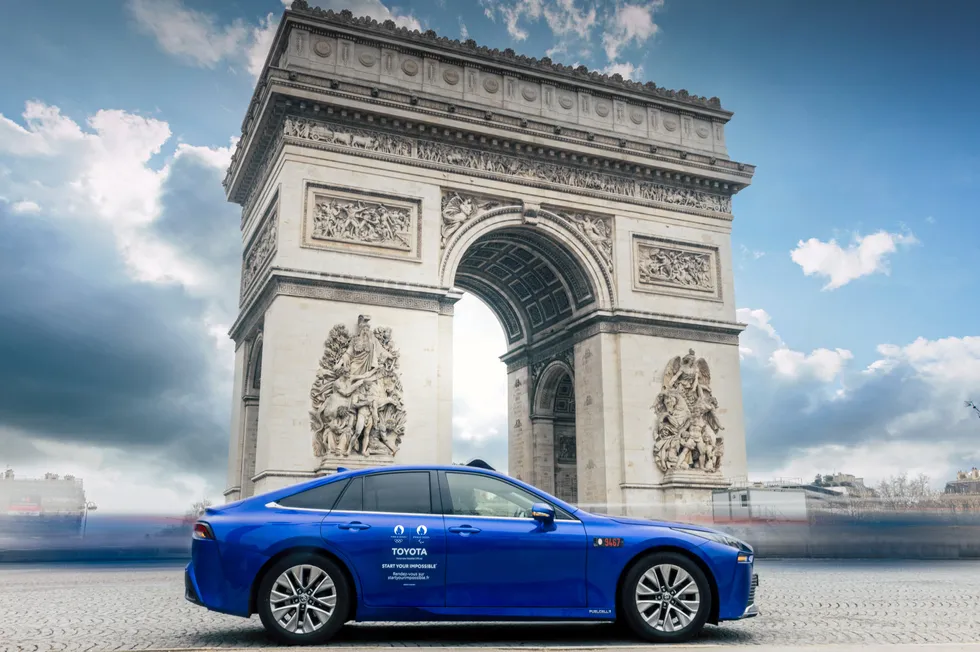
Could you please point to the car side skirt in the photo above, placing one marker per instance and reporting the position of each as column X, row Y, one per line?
column 475, row 614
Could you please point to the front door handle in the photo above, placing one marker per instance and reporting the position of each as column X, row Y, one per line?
column 354, row 525
column 465, row 530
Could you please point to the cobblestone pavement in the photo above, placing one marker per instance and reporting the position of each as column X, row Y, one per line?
column 802, row 602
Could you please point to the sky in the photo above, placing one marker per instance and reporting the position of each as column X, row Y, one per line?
column 855, row 247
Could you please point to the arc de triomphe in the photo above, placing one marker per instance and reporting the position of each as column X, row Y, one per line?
column 383, row 171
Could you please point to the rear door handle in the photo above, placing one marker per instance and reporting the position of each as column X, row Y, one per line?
column 464, row 529
column 355, row 525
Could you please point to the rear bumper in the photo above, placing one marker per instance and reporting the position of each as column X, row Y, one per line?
column 191, row 593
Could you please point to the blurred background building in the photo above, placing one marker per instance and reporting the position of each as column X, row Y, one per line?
column 42, row 507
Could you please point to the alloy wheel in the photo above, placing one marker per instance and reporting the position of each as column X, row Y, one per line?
column 302, row 599
column 667, row 598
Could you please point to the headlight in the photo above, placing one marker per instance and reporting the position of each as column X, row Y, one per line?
column 717, row 537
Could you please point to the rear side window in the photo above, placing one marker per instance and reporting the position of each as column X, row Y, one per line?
column 401, row 493
column 321, row 497
column 351, row 500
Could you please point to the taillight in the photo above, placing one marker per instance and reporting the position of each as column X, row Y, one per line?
column 203, row 531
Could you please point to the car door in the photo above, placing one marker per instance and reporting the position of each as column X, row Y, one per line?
column 497, row 556
column 389, row 525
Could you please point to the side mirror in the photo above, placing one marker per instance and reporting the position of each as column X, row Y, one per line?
column 543, row 513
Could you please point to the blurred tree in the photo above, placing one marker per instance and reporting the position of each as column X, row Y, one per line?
column 899, row 491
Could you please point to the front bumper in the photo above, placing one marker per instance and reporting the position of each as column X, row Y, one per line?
column 752, row 610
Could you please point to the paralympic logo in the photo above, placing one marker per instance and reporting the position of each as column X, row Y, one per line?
column 420, row 530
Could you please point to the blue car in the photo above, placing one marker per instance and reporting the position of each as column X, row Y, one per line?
column 436, row 543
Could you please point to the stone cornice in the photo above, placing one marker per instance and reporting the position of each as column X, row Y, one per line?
column 281, row 281
column 628, row 322
column 570, row 74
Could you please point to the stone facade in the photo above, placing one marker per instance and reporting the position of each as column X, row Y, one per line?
column 381, row 172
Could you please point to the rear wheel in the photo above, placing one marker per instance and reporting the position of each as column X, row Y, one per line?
column 303, row 599
column 665, row 598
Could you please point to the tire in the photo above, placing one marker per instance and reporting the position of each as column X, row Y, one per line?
column 299, row 612
column 686, row 610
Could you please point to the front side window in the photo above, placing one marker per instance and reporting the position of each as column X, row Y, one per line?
column 479, row 495
column 399, row 493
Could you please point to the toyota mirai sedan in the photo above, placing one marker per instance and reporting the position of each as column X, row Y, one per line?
column 460, row 543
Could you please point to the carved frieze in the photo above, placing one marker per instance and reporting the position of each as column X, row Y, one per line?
column 504, row 165
column 367, row 222
column 358, row 408
column 673, row 267
column 373, row 141
column 260, row 250
column 459, row 208
column 687, row 432
column 347, row 219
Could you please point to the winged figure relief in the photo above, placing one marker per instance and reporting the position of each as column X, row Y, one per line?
column 686, row 435
column 457, row 209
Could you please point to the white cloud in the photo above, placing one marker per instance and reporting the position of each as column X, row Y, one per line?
column 25, row 207
column 873, row 461
column 631, row 24
column 568, row 20
column 196, row 37
column 119, row 482
column 464, row 33
column 866, row 255
column 217, row 157
column 823, row 364
column 761, row 342
column 565, row 18
column 950, row 365
column 479, row 377
column 626, row 69
column 902, row 412
column 190, row 34
column 102, row 173
column 260, row 42
column 373, row 9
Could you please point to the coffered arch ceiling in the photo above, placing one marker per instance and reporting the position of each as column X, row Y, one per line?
column 532, row 283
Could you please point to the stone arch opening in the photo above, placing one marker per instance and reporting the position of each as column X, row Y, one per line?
column 537, row 281
column 553, row 429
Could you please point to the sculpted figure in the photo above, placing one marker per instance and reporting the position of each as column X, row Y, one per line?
column 457, row 209
column 687, row 422
column 357, row 395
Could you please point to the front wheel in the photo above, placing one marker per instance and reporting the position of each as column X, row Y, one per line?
column 303, row 599
column 666, row 598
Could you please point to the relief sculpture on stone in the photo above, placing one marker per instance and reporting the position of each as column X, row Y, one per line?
column 317, row 131
column 459, row 208
column 357, row 394
column 259, row 251
column 597, row 230
column 663, row 265
column 687, row 435
column 364, row 222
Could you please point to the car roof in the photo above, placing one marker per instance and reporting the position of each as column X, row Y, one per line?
column 456, row 468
